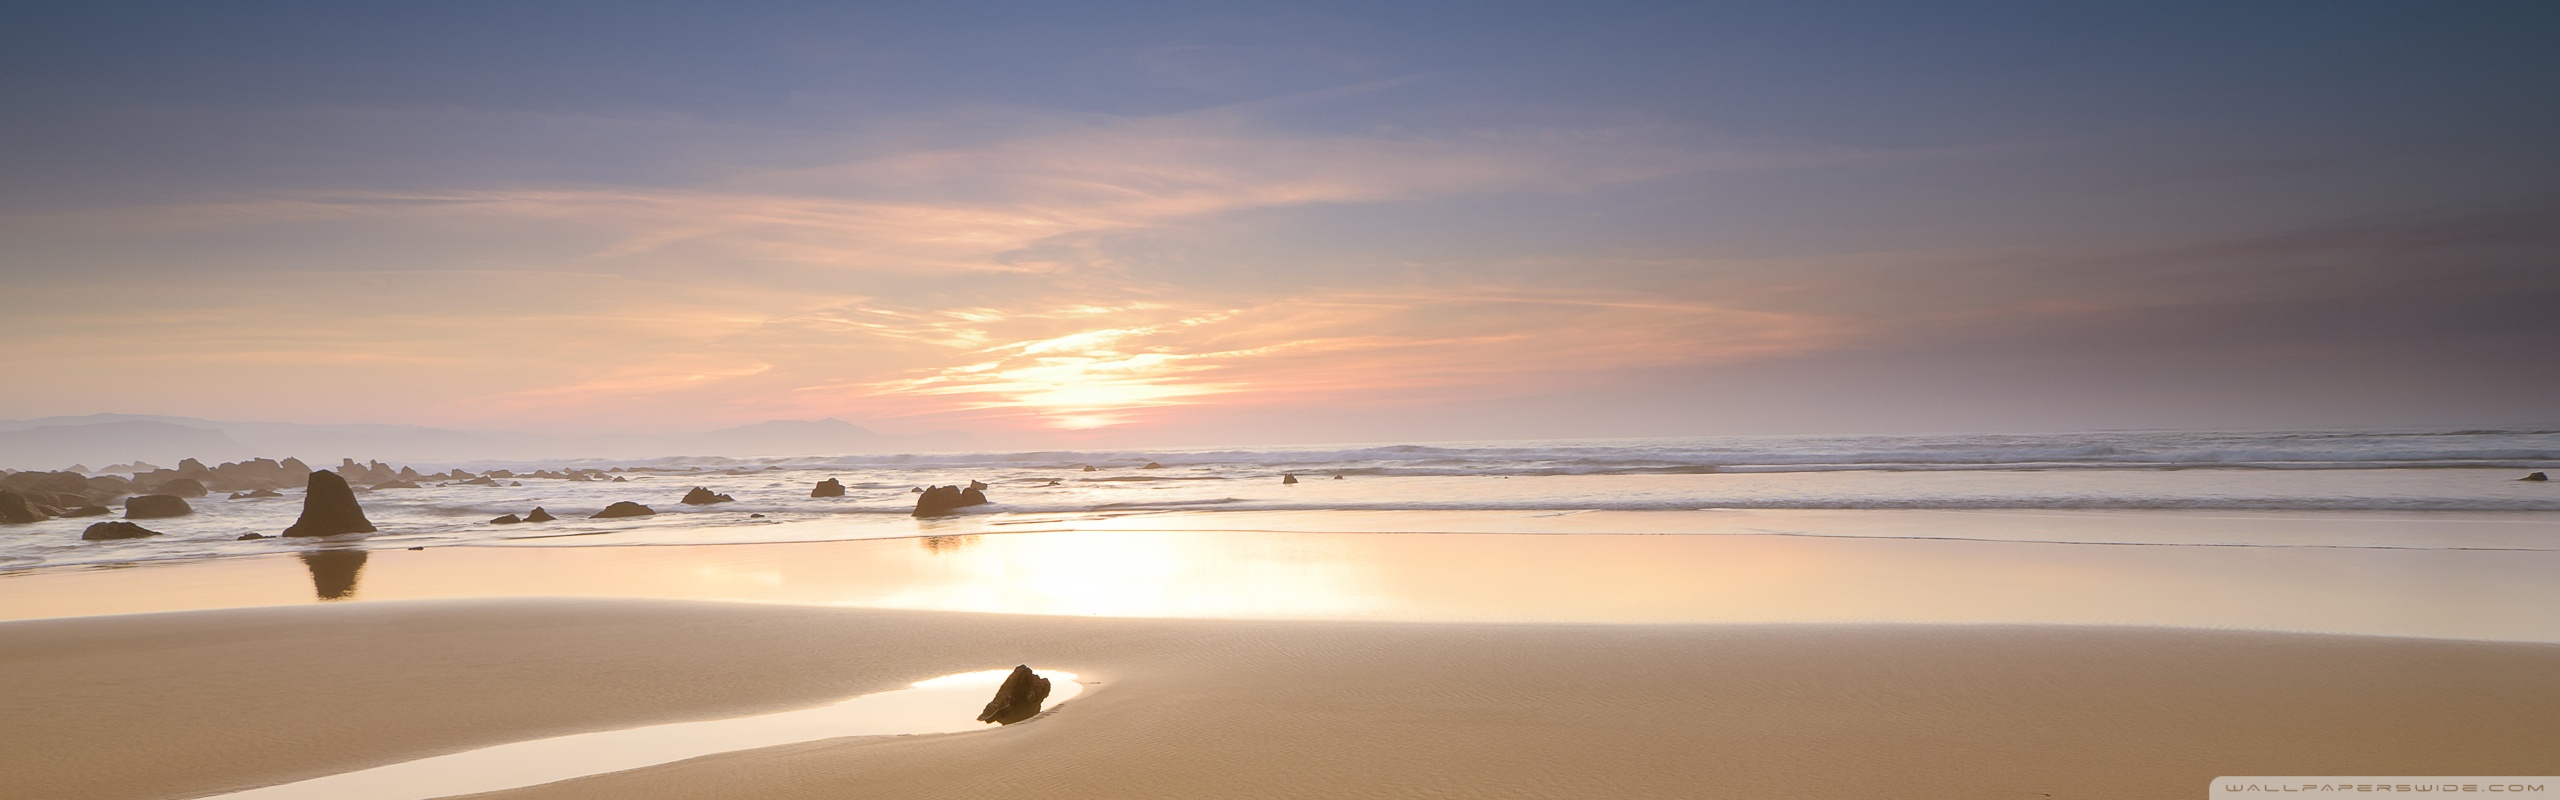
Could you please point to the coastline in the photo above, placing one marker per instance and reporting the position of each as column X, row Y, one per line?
column 232, row 699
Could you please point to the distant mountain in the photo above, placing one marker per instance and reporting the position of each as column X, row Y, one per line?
column 55, row 442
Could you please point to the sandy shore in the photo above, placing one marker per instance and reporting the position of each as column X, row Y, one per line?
column 186, row 704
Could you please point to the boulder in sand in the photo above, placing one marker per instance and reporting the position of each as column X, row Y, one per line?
column 828, row 488
column 703, row 497
column 156, row 506
column 625, row 508
column 1018, row 699
column 116, row 530
column 329, row 508
column 940, row 500
column 538, row 515
column 2536, row 477
column 509, row 519
column 17, row 509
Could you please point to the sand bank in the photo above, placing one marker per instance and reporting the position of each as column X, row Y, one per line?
column 186, row 704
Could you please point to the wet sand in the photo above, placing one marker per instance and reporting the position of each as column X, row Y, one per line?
column 184, row 704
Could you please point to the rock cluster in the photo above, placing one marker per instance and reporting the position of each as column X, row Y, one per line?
column 940, row 500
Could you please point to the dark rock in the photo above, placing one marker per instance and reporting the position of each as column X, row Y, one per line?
column 941, row 500
column 182, row 487
column 1337, row 477
column 193, row 468
column 2536, row 477
column 917, row 490
column 480, row 482
column 620, row 479
column 1018, row 699
column 1089, row 468
column 703, row 497
column 1152, row 465
column 755, row 516
column 625, row 508
column 515, row 483
column 509, row 519
column 329, row 508
column 978, row 486
column 156, row 506
column 116, row 530
column 828, row 488
column 539, row 515
column 87, row 511
column 15, row 508
column 1287, row 480
column 395, row 485
column 248, row 536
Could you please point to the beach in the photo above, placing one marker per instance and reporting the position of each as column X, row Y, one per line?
column 226, row 700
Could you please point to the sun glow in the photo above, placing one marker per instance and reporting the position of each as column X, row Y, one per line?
column 1078, row 381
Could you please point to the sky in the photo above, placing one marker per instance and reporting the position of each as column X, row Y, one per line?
column 1202, row 223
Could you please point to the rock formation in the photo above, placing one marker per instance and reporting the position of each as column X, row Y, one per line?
column 828, row 488
column 156, row 506
column 182, row 487
column 15, row 508
column 940, row 500
column 116, row 530
column 539, row 515
column 1288, row 479
column 248, row 536
column 625, row 508
column 978, row 486
column 509, row 519
column 703, row 497
column 2537, row 477
column 1152, row 465
column 1018, row 699
column 329, row 508
column 1089, row 468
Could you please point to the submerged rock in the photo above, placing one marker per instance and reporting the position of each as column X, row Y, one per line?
column 941, row 500
column 116, row 530
column 625, row 508
column 828, row 488
column 329, row 508
column 703, row 497
column 538, row 515
column 16, row 508
column 2535, row 477
column 248, row 536
column 156, row 506
column 1018, row 699
column 509, row 519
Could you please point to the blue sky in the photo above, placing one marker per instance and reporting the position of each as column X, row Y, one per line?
column 1199, row 223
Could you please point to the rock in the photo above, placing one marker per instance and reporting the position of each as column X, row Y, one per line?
column 828, row 488
column 625, row 508
column 248, row 536
column 515, row 483
column 182, row 487
column 329, row 508
column 239, row 496
column 1152, row 465
column 1337, row 477
column 703, row 497
column 620, row 479
column 116, row 530
column 395, row 485
column 87, row 511
column 509, row 519
column 1018, row 699
column 15, row 508
column 2536, row 477
column 978, row 486
column 538, row 515
column 755, row 516
column 480, row 482
column 941, row 500
column 156, row 506
column 1089, row 468
column 1288, row 480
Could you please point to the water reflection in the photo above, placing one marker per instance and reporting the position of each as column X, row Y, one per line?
column 940, row 705
column 947, row 544
column 333, row 572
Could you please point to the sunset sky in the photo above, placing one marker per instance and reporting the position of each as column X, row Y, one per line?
column 1187, row 223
